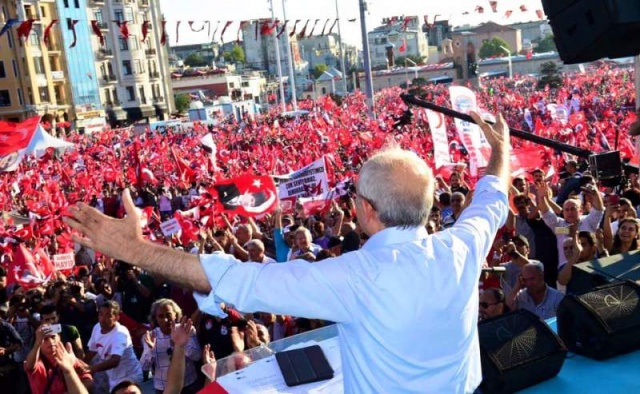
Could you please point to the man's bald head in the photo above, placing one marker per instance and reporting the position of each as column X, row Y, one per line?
column 399, row 186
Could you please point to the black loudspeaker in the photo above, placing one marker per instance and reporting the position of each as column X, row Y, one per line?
column 518, row 350
column 588, row 30
column 591, row 274
column 602, row 323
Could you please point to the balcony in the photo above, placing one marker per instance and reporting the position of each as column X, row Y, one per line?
column 102, row 25
column 112, row 103
column 99, row 3
column 154, row 74
column 158, row 99
column 110, row 78
column 57, row 76
column 53, row 49
column 143, row 3
column 104, row 53
column 150, row 52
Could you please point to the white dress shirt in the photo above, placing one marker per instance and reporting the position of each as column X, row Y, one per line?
column 406, row 304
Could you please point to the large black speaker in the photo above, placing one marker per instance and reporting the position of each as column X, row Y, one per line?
column 518, row 350
column 606, row 167
column 588, row 30
column 602, row 323
column 591, row 274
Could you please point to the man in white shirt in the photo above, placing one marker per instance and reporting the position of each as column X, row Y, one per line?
column 112, row 343
column 405, row 305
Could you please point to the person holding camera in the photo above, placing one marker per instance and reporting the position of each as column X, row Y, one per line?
column 68, row 333
column 76, row 309
column 136, row 291
column 52, row 367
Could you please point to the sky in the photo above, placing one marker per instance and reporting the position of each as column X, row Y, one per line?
column 236, row 10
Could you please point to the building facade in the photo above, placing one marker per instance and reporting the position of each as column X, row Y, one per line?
column 33, row 80
column 133, row 74
column 392, row 40
column 260, row 51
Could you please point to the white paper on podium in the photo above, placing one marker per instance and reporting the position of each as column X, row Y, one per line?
column 264, row 376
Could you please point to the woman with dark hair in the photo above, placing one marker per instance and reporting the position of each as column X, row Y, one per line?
column 492, row 303
column 626, row 239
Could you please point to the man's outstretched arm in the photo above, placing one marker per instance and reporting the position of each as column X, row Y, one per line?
column 122, row 239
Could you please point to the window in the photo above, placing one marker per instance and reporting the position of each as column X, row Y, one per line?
column 107, row 95
column 124, row 45
column 143, row 98
column 139, row 67
column 76, row 3
column 98, row 16
column 66, row 3
column 5, row 98
column 16, row 71
column 119, row 15
column 128, row 14
column 30, row 94
column 131, row 93
column 134, row 42
column 115, row 96
column 42, row 12
column 20, row 99
column 10, row 38
column 33, row 38
column 3, row 73
column 38, row 62
column 44, row 94
column 126, row 67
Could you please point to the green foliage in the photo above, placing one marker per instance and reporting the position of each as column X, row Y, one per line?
column 318, row 70
column 546, row 45
column 195, row 60
column 492, row 48
column 182, row 102
column 415, row 59
column 550, row 75
column 235, row 55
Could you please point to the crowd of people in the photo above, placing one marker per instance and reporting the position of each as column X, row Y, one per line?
column 106, row 326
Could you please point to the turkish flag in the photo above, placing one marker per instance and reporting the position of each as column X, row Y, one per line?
column 403, row 47
column 14, row 138
column 28, row 270
column 247, row 195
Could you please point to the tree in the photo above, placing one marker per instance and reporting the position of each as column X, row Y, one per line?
column 195, row 60
column 414, row 58
column 182, row 102
column 318, row 70
column 546, row 45
column 235, row 55
column 493, row 48
column 550, row 75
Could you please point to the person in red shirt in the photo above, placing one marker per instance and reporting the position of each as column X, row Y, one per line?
column 54, row 369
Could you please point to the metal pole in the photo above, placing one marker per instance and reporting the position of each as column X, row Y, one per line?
column 637, row 78
column 415, row 70
column 292, row 80
column 344, row 70
column 278, row 65
column 510, row 65
column 367, row 59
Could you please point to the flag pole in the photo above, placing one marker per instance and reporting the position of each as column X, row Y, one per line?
column 292, row 81
column 283, row 102
column 340, row 44
column 367, row 58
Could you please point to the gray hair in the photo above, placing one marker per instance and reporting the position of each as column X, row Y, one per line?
column 159, row 304
column 245, row 227
column 257, row 243
column 400, row 187
column 306, row 233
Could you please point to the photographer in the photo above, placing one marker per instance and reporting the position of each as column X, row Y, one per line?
column 136, row 291
column 77, row 310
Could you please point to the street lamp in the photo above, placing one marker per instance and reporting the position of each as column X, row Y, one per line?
column 415, row 70
column 510, row 66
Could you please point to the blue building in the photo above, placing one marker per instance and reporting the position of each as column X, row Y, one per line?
column 81, row 65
